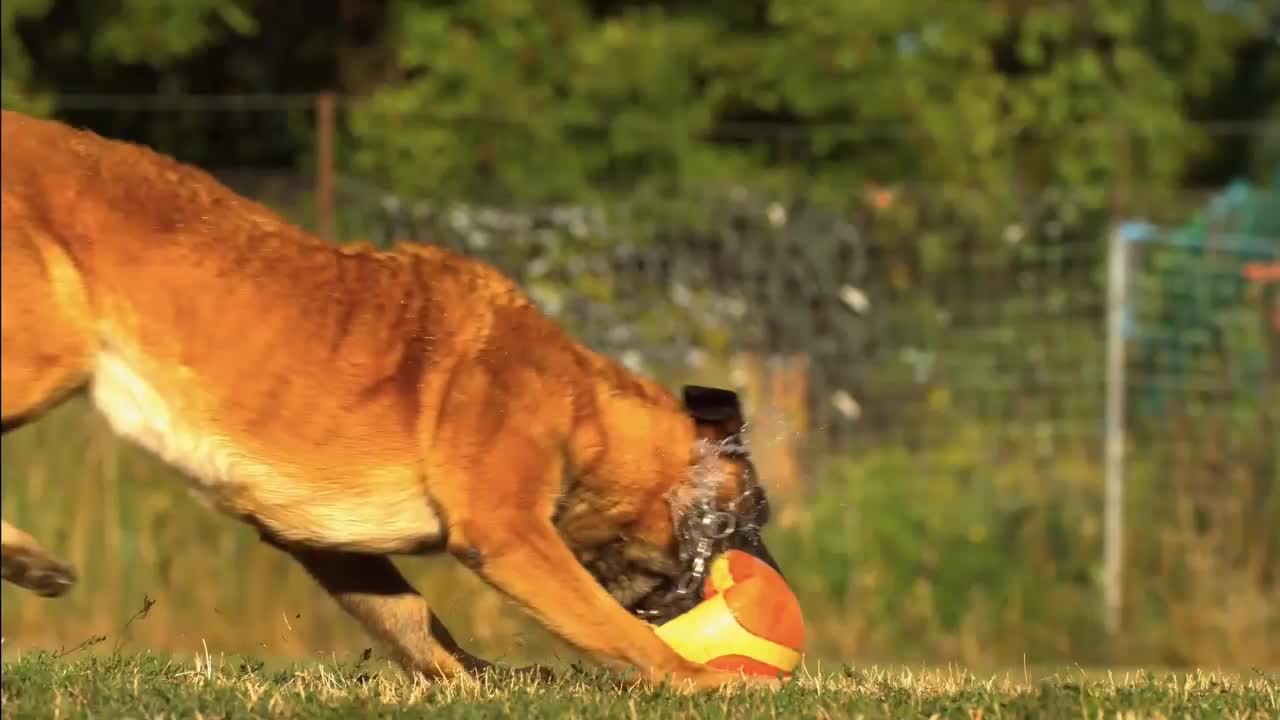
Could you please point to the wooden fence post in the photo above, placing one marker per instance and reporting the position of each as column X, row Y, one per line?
column 776, row 389
column 326, row 205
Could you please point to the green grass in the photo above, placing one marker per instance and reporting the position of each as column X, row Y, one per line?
column 149, row 686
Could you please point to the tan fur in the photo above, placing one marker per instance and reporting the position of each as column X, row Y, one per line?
column 349, row 403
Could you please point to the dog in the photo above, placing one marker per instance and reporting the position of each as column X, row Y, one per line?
column 355, row 404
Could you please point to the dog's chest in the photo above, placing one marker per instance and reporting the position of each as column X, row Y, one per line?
column 138, row 411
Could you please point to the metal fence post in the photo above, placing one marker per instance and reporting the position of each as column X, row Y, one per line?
column 1114, row 432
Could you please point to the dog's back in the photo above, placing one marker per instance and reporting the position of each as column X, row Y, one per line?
column 286, row 377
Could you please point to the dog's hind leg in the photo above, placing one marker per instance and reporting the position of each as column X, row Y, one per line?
column 372, row 590
column 46, row 348
column 47, row 343
column 25, row 562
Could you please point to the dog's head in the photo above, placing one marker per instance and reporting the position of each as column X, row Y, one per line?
column 725, row 469
column 721, row 506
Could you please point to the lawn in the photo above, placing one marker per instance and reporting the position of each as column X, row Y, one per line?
column 149, row 686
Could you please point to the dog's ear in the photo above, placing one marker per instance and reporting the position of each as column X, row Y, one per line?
column 714, row 409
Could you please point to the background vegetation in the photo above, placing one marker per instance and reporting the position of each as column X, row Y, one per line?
column 954, row 167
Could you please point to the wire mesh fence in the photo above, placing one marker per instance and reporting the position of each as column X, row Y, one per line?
column 980, row 315
column 891, row 316
column 1202, row 381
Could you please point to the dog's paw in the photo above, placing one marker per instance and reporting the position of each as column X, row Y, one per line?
column 699, row 678
column 42, row 575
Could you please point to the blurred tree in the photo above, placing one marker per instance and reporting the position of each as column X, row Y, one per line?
column 1248, row 95
column 535, row 99
column 70, row 57
column 17, row 77
column 76, row 45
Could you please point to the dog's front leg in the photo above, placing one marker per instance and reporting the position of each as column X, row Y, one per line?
column 528, row 561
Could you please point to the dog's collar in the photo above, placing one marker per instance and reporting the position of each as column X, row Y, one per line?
column 704, row 533
column 702, row 530
column 732, row 446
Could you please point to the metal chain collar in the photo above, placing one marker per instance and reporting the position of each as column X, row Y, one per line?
column 703, row 532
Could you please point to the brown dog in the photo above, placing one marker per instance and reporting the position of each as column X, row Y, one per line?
column 354, row 404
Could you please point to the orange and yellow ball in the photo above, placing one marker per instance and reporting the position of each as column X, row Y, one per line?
column 748, row 621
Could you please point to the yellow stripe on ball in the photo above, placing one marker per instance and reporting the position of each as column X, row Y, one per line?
column 710, row 631
column 721, row 575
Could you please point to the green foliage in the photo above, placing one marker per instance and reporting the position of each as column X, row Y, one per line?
column 17, row 81
column 77, row 58
column 1194, row 314
column 157, row 32
column 538, row 100
column 953, row 541
column 993, row 538
column 542, row 100
column 532, row 101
